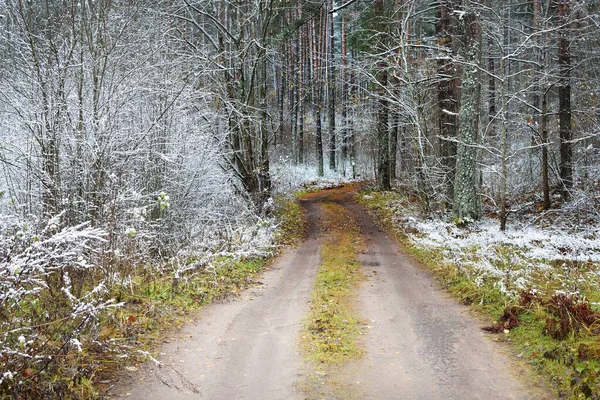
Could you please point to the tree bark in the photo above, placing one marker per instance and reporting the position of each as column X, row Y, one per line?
column 331, row 89
column 294, row 98
column 466, row 205
column 544, row 139
column 540, row 118
column 344, row 95
column 504, row 70
column 300, row 100
column 564, row 101
column 316, row 98
column 383, row 135
column 447, row 94
column 394, row 128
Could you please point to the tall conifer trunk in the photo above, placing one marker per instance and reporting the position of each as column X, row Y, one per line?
column 466, row 204
column 564, row 101
column 316, row 97
column 331, row 89
column 383, row 135
column 447, row 94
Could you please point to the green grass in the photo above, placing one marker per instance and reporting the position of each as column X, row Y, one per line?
column 291, row 220
column 333, row 325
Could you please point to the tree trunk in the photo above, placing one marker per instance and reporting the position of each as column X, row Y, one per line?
column 383, row 135
column 344, row 96
column 331, row 88
column 394, row 128
column 300, row 101
column 281, row 103
column 536, row 15
column 294, row 99
column 447, row 95
column 491, row 88
column 351, row 138
column 466, row 204
column 504, row 70
column 564, row 102
column 316, row 99
column 544, row 139
column 300, row 145
column 264, row 173
column 539, row 94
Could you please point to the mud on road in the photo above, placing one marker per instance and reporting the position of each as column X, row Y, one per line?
column 419, row 343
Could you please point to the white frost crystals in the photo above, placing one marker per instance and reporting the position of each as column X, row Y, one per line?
column 510, row 257
column 46, row 304
column 535, row 243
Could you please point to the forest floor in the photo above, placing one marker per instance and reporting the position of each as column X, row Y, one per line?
column 413, row 341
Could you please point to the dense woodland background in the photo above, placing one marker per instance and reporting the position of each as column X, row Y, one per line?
column 154, row 135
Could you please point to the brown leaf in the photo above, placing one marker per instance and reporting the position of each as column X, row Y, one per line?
column 27, row 373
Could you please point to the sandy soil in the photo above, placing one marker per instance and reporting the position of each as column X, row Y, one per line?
column 419, row 343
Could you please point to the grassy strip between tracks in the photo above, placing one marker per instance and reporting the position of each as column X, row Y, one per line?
column 333, row 326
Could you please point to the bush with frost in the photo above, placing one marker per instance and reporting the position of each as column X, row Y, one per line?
column 52, row 295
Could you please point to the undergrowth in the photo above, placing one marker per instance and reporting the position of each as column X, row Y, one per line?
column 291, row 221
column 63, row 354
column 547, row 309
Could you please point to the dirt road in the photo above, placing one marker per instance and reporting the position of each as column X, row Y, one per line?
column 247, row 348
column 419, row 343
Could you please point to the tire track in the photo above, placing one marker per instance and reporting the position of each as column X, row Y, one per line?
column 247, row 348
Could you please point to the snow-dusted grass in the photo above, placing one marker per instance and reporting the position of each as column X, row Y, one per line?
column 98, row 297
column 519, row 256
column 522, row 257
column 534, row 243
column 66, row 298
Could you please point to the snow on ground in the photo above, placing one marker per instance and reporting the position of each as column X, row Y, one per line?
column 289, row 178
column 515, row 258
column 544, row 244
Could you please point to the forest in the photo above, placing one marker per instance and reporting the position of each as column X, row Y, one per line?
column 146, row 146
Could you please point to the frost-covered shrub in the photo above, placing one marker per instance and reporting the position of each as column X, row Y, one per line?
column 51, row 297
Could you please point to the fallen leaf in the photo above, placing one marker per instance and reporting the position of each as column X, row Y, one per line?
column 27, row 373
